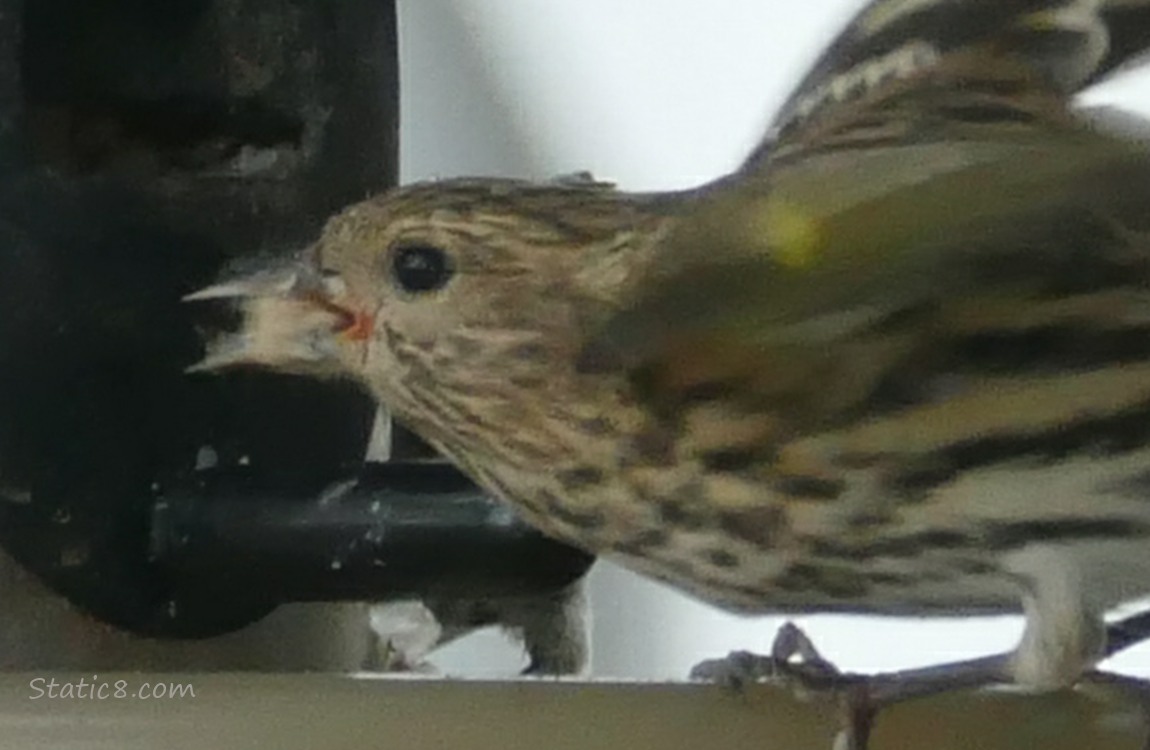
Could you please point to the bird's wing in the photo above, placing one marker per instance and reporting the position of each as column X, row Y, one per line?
column 1068, row 45
column 1128, row 22
column 970, row 179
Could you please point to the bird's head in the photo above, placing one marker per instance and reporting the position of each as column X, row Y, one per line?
column 477, row 281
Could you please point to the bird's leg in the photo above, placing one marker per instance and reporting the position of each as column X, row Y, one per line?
column 1064, row 635
column 554, row 630
column 795, row 664
column 861, row 697
column 1063, row 639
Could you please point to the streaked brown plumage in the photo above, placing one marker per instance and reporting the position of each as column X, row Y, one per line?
column 899, row 363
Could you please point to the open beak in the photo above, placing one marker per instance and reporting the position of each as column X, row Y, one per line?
column 292, row 319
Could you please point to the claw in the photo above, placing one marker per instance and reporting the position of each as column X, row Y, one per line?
column 791, row 642
column 796, row 665
column 736, row 669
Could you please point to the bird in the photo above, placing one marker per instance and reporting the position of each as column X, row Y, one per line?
column 897, row 362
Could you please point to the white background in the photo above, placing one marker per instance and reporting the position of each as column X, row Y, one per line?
column 652, row 94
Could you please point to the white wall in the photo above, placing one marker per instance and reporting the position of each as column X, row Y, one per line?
column 653, row 94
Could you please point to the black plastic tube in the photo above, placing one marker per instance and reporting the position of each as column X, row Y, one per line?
column 394, row 530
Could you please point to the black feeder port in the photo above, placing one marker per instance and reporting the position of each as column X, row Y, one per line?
column 144, row 147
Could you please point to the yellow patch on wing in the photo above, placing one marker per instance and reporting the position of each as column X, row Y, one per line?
column 796, row 235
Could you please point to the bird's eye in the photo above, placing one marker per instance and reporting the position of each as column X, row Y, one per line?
column 420, row 268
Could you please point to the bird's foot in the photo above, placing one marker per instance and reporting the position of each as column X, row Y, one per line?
column 796, row 665
column 793, row 659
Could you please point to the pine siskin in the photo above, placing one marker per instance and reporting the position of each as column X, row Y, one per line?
column 898, row 363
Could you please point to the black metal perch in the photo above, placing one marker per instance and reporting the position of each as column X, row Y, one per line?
column 142, row 147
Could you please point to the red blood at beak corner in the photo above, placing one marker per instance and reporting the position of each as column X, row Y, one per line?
column 354, row 325
column 358, row 326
